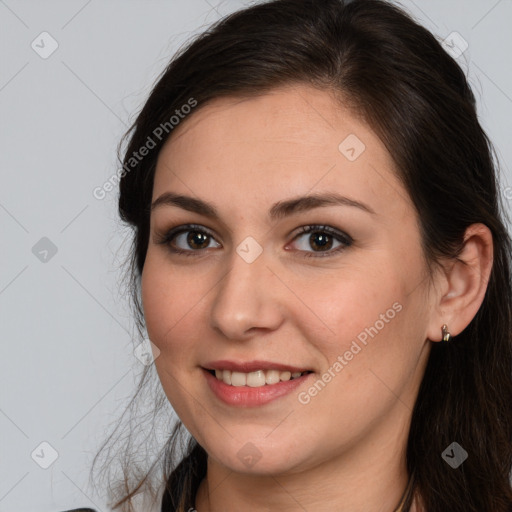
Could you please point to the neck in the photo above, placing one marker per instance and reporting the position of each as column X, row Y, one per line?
column 296, row 494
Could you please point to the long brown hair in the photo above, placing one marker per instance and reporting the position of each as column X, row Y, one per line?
column 398, row 77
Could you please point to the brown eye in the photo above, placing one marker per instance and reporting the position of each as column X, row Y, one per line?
column 197, row 239
column 188, row 239
column 321, row 241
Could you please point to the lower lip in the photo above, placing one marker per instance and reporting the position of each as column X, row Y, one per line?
column 245, row 396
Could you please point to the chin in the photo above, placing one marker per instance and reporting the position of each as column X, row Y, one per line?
column 263, row 459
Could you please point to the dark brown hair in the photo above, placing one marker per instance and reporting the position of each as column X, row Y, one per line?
column 397, row 76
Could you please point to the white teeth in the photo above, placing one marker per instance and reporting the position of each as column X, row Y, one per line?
column 226, row 376
column 272, row 376
column 255, row 379
column 285, row 375
column 238, row 379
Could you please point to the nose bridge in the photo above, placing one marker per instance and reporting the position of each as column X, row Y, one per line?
column 245, row 298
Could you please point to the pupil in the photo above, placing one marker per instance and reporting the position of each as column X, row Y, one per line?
column 321, row 241
column 196, row 239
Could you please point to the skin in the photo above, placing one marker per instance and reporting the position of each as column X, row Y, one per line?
column 345, row 449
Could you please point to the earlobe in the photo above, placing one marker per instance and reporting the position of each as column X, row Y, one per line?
column 466, row 279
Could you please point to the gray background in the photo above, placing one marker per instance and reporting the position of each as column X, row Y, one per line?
column 67, row 364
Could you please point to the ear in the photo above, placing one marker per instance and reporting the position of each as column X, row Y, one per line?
column 461, row 285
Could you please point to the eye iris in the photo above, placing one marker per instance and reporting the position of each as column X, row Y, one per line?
column 197, row 240
column 321, row 240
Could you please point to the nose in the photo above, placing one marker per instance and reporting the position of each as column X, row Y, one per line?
column 246, row 300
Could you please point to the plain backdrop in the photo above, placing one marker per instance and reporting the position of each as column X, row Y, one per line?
column 73, row 74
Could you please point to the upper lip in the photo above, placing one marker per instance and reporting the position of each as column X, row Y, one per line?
column 252, row 366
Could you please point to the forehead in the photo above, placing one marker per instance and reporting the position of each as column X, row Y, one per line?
column 286, row 143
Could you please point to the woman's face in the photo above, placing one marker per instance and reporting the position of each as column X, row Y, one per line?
column 347, row 302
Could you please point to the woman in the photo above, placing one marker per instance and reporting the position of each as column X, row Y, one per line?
column 321, row 260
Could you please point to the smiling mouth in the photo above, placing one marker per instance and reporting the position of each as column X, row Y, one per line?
column 256, row 379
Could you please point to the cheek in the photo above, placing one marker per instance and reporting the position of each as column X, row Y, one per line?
column 175, row 304
column 339, row 307
column 375, row 327
column 165, row 310
column 368, row 362
column 169, row 321
column 153, row 301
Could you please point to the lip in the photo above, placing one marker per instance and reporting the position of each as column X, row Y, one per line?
column 252, row 366
column 245, row 396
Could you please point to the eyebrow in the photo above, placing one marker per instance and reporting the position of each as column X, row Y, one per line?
column 279, row 210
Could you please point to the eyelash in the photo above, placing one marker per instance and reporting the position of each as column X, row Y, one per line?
column 339, row 236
